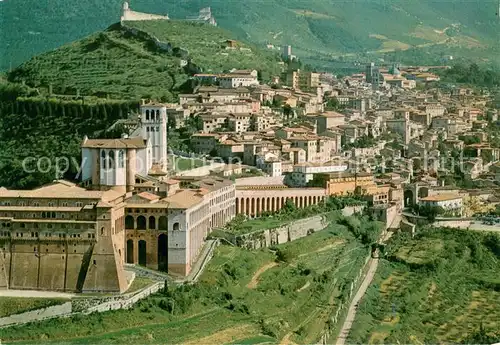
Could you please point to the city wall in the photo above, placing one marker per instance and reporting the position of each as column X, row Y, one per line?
column 81, row 306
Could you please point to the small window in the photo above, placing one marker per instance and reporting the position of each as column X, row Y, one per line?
column 95, row 262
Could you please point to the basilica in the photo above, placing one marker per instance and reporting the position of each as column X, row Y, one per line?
column 77, row 237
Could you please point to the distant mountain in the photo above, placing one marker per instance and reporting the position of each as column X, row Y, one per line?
column 315, row 28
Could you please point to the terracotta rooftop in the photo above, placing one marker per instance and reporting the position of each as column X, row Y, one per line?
column 441, row 197
column 148, row 196
column 132, row 143
column 183, row 199
column 60, row 190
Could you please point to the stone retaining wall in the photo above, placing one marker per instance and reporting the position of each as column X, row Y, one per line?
column 37, row 315
column 291, row 231
column 81, row 306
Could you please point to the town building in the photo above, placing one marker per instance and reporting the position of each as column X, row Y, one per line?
column 447, row 202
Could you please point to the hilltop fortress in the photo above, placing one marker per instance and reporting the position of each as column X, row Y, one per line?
column 204, row 16
column 129, row 15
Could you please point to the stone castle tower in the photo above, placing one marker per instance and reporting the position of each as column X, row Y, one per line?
column 129, row 15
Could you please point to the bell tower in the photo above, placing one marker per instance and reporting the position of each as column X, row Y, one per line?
column 154, row 128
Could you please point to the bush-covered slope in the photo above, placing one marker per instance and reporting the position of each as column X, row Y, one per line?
column 440, row 287
column 126, row 62
column 48, row 132
column 313, row 27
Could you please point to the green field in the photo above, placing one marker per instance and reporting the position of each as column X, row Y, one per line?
column 246, row 297
column 177, row 163
column 440, row 287
column 18, row 305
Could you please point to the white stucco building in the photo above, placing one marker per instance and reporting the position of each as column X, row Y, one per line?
column 448, row 202
column 304, row 172
column 238, row 79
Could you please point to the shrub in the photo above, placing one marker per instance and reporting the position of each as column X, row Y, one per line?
column 284, row 255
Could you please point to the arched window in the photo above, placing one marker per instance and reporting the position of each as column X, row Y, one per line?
column 121, row 159
column 103, row 159
column 102, row 231
column 163, row 223
column 152, row 222
column 129, row 222
column 157, row 117
column 111, row 159
column 176, row 226
column 141, row 223
column 147, row 114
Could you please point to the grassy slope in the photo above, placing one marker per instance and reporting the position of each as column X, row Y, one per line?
column 124, row 66
column 443, row 285
column 18, row 305
column 222, row 308
column 312, row 27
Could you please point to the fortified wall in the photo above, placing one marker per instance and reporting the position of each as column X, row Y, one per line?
column 62, row 237
column 129, row 15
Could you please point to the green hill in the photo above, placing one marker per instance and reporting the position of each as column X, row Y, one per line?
column 84, row 87
column 316, row 29
column 142, row 59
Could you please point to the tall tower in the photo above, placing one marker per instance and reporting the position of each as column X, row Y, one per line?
column 154, row 128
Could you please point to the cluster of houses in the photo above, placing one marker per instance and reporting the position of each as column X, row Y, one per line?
column 374, row 134
column 381, row 125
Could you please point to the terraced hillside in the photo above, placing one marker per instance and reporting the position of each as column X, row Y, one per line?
column 127, row 62
column 443, row 286
column 246, row 297
column 316, row 28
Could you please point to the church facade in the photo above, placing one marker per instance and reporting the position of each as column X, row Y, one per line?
column 69, row 237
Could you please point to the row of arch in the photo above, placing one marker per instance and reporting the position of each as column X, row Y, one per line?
column 108, row 159
column 152, row 115
column 410, row 198
column 151, row 223
column 141, row 257
column 254, row 206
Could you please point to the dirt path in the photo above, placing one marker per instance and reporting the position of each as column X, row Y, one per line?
column 255, row 279
column 306, row 285
column 225, row 336
column 35, row 294
column 286, row 340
